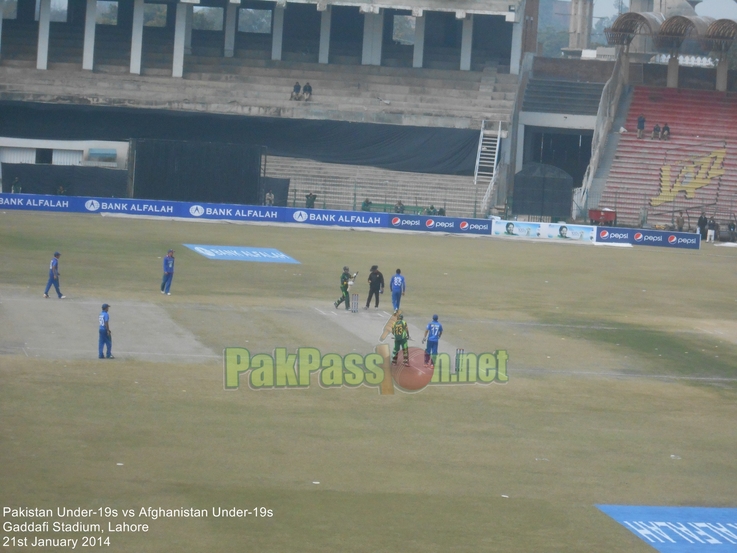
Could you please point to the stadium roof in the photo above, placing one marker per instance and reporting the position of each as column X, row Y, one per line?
column 668, row 34
column 461, row 8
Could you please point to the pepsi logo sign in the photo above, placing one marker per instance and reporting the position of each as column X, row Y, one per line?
column 638, row 237
column 430, row 223
column 463, row 225
column 396, row 221
column 672, row 239
column 604, row 234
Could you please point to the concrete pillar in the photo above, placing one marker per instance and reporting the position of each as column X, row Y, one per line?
column 373, row 32
column 325, row 21
column 2, row 13
column 44, row 24
column 188, row 30
column 368, row 27
column 277, row 32
column 418, row 54
column 579, row 29
column 231, row 14
column 672, row 81
column 137, row 37
column 180, row 31
column 722, row 68
column 90, row 24
column 518, row 162
column 467, row 43
column 641, row 43
column 378, row 37
column 515, row 57
column 625, row 65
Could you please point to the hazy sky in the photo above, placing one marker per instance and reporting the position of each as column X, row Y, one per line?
column 718, row 9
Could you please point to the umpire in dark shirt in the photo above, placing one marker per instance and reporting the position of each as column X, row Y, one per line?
column 376, row 285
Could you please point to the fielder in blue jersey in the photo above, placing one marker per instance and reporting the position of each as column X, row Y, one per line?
column 168, row 273
column 398, row 288
column 432, row 334
column 106, row 335
column 54, row 277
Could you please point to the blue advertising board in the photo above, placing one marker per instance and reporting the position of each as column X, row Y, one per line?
column 646, row 237
column 189, row 210
column 439, row 224
column 334, row 217
column 679, row 529
column 241, row 253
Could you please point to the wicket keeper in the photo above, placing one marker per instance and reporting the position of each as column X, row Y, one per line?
column 401, row 336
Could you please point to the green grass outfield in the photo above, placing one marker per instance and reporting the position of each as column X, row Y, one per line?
column 622, row 390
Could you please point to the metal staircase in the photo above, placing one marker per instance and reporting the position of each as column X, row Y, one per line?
column 486, row 162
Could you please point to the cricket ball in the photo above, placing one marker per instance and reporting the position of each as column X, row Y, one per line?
column 414, row 377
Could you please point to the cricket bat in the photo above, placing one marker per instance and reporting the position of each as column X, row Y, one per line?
column 389, row 324
column 352, row 280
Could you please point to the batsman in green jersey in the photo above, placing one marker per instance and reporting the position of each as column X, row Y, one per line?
column 346, row 279
column 401, row 336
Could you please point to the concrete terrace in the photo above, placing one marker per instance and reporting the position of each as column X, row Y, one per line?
column 251, row 84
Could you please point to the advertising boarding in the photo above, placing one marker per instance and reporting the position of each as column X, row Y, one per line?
column 646, row 237
column 549, row 231
column 439, row 224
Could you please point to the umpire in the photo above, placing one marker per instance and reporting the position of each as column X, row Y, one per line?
column 376, row 285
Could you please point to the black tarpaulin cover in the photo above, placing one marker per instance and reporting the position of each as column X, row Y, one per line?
column 399, row 148
column 541, row 189
column 69, row 180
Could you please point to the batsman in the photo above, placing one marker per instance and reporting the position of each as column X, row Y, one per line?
column 346, row 280
column 401, row 336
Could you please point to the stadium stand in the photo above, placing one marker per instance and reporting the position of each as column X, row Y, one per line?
column 559, row 96
column 445, row 92
column 691, row 172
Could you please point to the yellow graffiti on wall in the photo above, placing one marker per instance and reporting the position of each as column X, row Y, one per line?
column 693, row 174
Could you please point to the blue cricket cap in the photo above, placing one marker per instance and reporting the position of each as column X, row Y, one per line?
column 105, row 305
column 434, row 317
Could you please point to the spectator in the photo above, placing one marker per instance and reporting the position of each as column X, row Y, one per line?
column 680, row 222
column 310, row 200
column 702, row 225
column 296, row 92
column 665, row 133
column 441, row 212
column 269, row 199
column 399, row 207
column 712, row 227
column 656, row 132
column 732, row 230
column 431, row 210
column 16, row 188
column 366, row 205
column 307, row 91
column 640, row 125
